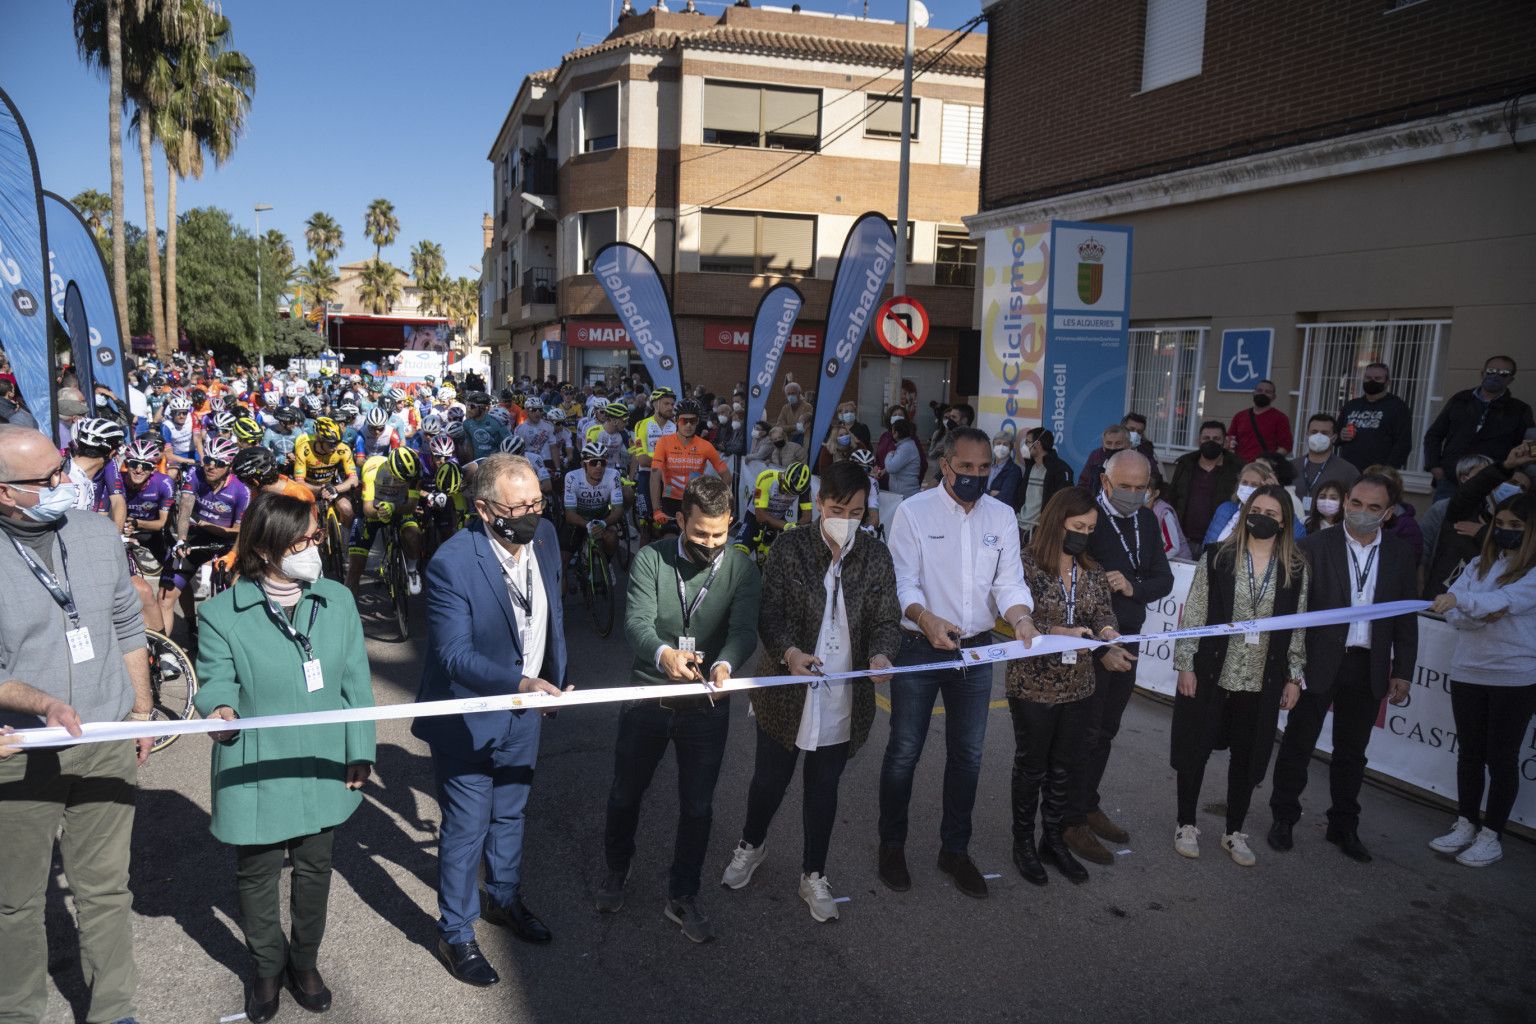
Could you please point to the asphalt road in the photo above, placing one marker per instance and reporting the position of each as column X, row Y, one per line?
column 1304, row 936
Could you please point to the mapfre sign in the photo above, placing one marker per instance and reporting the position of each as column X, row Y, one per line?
column 727, row 337
column 597, row 334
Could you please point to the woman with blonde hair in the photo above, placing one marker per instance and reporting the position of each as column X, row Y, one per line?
column 1258, row 473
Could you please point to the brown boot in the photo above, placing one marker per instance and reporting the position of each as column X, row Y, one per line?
column 1083, row 843
column 1107, row 830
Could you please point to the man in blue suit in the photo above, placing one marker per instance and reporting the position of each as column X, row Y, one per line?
column 494, row 627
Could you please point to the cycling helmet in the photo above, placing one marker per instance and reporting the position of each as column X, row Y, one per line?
column 216, row 403
column 501, row 416
column 456, row 415
column 508, row 395
column 349, row 409
column 662, row 392
column 618, row 410
column 224, row 422
column 326, row 431
column 289, row 415
column 432, row 425
column 447, row 393
column 282, row 449
column 254, row 466
column 477, row 398
column 534, row 404
column 441, row 447
column 198, row 396
column 376, row 418
column 99, row 434
column 248, row 430
column 220, row 450
column 864, row 458
column 405, row 464
column 797, row 477
column 593, row 450
column 688, row 407
column 513, row 445
column 449, row 478
column 178, row 404
column 455, row 429
column 144, row 452
column 397, row 395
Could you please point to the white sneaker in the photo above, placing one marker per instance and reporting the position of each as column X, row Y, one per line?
column 1485, row 850
column 817, row 893
column 1457, row 839
column 744, row 860
column 1236, row 843
column 204, row 582
column 1187, row 841
column 413, row 582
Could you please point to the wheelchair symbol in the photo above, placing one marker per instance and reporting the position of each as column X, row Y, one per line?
column 1240, row 369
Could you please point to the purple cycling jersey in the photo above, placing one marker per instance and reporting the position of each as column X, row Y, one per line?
column 107, row 483
column 223, row 505
column 156, row 496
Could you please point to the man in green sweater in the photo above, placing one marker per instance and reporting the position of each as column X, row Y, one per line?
column 691, row 616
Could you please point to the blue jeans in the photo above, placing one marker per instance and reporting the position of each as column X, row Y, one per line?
column 482, row 806
column 966, row 697
column 645, row 729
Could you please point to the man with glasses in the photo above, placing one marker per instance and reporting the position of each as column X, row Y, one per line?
column 1376, row 427
column 1263, row 429
column 679, row 458
column 75, row 653
column 594, row 502
column 212, row 503
column 1485, row 420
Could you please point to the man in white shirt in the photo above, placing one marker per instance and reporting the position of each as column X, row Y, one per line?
column 956, row 551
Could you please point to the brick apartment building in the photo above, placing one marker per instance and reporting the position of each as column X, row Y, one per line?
column 1356, row 175
column 734, row 148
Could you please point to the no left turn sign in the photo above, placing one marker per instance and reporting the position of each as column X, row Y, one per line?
column 902, row 325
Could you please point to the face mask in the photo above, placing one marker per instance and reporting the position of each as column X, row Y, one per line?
column 52, row 503
column 723, row 417
column 968, row 488
column 794, row 399
column 848, row 417
column 304, row 567
column 1210, row 449
column 1126, row 501
column 516, row 529
column 735, row 424
column 737, row 407
column 1244, row 492
column 1362, row 522
column 702, row 554
column 1135, row 438
column 779, row 443
column 840, row 531
column 1074, row 543
column 1374, row 387
column 999, row 452
column 896, row 419
column 1262, row 401
column 1262, row 527
column 1504, row 492
column 1494, row 384
column 845, row 440
column 1319, row 443
column 1328, row 506
column 1506, row 539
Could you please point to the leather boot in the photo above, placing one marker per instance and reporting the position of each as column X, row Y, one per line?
column 1085, row 844
column 1027, row 859
column 262, row 1000
column 1054, row 851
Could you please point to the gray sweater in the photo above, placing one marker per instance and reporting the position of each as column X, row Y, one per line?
column 1500, row 653
column 33, row 648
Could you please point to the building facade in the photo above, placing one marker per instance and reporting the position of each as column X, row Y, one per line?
column 736, row 149
column 1354, row 176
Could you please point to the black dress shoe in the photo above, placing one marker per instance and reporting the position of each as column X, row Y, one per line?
column 518, row 919
column 262, row 999
column 1027, row 859
column 1350, row 843
column 309, row 990
column 1280, row 835
column 893, row 869
column 465, row 962
column 1054, row 851
column 967, row 879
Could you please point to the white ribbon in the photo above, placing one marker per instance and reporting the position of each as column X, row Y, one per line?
column 1012, row 650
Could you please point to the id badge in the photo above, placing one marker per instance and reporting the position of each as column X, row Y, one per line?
column 313, row 678
column 1251, row 639
column 1069, row 657
column 80, row 649
column 687, row 644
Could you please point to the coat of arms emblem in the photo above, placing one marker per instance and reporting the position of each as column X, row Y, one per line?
column 1090, row 271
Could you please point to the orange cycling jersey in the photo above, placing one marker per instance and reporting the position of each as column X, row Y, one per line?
column 679, row 460
column 292, row 488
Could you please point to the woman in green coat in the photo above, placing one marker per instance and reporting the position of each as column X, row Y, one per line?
column 283, row 640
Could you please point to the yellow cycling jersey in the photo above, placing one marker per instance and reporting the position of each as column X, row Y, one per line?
column 770, row 495
column 311, row 466
column 381, row 484
column 648, row 432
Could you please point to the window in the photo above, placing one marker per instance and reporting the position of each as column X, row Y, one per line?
column 756, row 243
column 1333, row 358
column 1163, row 384
column 598, row 229
column 960, row 135
column 884, row 120
column 910, row 225
column 762, row 116
column 1174, row 45
column 600, row 119
column 954, row 260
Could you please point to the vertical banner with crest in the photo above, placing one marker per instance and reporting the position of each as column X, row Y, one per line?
column 640, row 299
column 74, row 258
column 23, row 276
column 866, row 263
column 771, row 328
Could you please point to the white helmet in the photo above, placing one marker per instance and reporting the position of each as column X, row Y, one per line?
column 376, row 418
column 179, row 403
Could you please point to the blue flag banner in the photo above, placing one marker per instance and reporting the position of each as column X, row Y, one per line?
column 75, row 258
column 865, row 265
column 634, row 287
column 23, row 280
column 771, row 328
column 78, row 326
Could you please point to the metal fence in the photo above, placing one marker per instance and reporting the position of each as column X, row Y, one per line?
column 1163, row 384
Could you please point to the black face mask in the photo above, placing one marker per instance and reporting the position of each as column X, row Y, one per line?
column 1262, row 401
column 1074, row 543
column 968, row 488
column 1506, row 539
column 1210, row 449
column 779, row 443
column 702, row 554
column 1262, row 527
column 1374, row 387
column 516, row 529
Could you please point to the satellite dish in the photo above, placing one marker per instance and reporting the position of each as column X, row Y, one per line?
column 920, row 14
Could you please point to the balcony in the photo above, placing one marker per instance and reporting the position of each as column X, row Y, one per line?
column 537, row 176
column 539, row 286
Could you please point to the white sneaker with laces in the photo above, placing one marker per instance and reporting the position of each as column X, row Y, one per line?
column 1187, row 841
column 413, row 582
column 744, row 860
column 1236, row 843
column 817, row 893
column 1485, row 850
column 1457, row 839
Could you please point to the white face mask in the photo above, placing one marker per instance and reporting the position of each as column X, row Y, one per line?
column 999, row 452
column 52, row 502
column 1244, row 492
column 722, row 417
column 735, row 424
column 1328, row 506
column 1135, row 438
column 793, row 399
column 839, row 531
column 1319, row 443
column 303, row 567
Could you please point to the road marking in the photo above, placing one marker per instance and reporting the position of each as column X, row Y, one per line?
column 884, row 704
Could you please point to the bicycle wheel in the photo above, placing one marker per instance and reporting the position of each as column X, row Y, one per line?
column 336, row 549
column 399, row 594
column 173, row 681
column 621, row 553
column 602, row 596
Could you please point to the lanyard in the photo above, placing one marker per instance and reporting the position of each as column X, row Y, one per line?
column 63, row 595
column 698, row 599
column 524, row 601
column 1070, row 597
column 1362, row 576
column 302, row 639
column 1135, row 556
column 1311, row 481
column 1255, row 597
column 837, row 588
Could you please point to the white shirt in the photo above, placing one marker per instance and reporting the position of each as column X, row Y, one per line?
column 1360, row 632
column 827, row 718
column 533, row 625
column 961, row 567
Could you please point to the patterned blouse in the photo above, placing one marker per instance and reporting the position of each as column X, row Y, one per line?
column 1242, row 671
column 1045, row 679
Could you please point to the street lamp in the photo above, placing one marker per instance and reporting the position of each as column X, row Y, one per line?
column 260, row 343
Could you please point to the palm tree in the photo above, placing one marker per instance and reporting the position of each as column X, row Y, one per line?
column 95, row 208
column 427, row 265
column 317, row 284
column 378, row 286
column 380, row 225
column 322, row 236
column 462, row 304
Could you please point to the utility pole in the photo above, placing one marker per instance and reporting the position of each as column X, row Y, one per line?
column 899, row 278
column 260, row 341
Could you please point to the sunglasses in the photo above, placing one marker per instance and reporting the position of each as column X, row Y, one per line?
column 139, row 467
column 594, row 462
column 1491, row 372
column 216, row 463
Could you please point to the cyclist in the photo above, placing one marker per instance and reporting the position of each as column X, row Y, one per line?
column 865, row 460
column 141, row 503
column 677, row 458
column 378, row 437
column 348, row 415
column 258, row 469
column 594, row 502
column 445, row 504
column 402, row 415
column 326, row 468
column 648, row 432
column 212, row 502
column 513, row 445
column 483, row 431
column 536, row 433
column 431, row 427
column 285, row 428
column 179, row 431
column 247, row 432
column 91, row 467
column 389, row 495
column 781, row 500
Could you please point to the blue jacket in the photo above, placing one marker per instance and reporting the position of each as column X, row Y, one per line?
column 473, row 647
column 1006, row 488
column 1227, row 509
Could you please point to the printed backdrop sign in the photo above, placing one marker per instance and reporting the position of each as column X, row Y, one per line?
column 23, row 279
column 862, row 271
column 74, row 258
column 640, row 299
column 773, row 333
column 1015, row 301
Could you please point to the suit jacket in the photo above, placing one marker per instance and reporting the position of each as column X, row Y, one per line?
column 1394, row 641
column 1153, row 582
column 474, row 649
column 1007, row 485
column 1057, row 475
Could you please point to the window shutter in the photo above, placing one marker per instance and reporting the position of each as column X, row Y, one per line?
column 954, row 134
column 1174, row 44
column 730, row 108
column 885, row 117
column 973, row 138
column 788, row 243
column 727, row 234
column 789, row 112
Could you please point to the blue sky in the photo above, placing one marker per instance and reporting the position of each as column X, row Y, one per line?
column 354, row 99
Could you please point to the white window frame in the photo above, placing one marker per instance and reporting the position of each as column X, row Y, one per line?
column 618, row 118
column 583, row 258
column 1327, row 381
column 1169, row 438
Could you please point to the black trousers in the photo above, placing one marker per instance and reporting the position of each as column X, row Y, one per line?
column 1111, row 693
column 1491, row 722
column 1049, row 747
column 1240, row 712
column 1355, row 706
column 258, row 871
column 774, row 767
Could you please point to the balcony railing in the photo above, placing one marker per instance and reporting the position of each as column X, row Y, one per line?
column 537, row 175
column 539, row 286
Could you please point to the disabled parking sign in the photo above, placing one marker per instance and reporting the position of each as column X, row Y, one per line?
column 1244, row 358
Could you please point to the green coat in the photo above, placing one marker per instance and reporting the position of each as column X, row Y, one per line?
column 275, row 784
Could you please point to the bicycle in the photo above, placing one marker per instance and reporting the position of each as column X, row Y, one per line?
column 597, row 583
column 333, row 547
column 172, row 676
column 392, row 570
